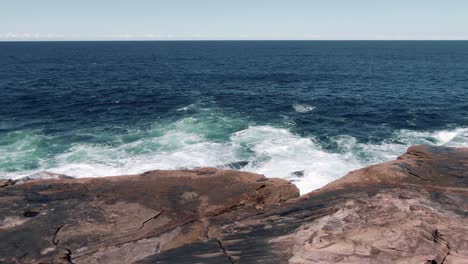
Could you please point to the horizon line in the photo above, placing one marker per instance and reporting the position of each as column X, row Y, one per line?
column 199, row 40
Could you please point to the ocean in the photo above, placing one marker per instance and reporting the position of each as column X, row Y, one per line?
column 306, row 111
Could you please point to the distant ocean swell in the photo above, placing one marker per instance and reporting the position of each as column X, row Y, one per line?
column 208, row 138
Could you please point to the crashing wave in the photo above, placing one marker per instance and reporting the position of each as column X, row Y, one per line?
column 216, row 141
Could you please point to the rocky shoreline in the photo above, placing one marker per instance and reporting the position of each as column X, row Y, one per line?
column 411, row 210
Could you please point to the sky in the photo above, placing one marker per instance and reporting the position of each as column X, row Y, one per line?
column 233, row 20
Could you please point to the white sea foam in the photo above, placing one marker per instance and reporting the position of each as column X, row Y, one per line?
column 274, row 152
column 303, row 108
column 279, row 153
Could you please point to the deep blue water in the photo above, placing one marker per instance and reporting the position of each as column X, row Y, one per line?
column 322, row 107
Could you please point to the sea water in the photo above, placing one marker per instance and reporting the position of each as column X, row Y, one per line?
column 306, row 111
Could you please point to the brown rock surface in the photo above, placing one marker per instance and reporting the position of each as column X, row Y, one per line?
column 124, row 219
column 411, row 210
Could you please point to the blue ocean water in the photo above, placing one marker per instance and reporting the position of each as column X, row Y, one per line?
column 308, row 111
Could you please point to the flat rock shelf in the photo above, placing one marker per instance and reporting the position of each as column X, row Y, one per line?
column 411, row 210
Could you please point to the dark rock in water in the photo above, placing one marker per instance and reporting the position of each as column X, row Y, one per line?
column 299, row 174
column 235, row 165
column 411, row 210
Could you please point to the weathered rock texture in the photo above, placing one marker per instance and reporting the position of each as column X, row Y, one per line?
column 412, row 210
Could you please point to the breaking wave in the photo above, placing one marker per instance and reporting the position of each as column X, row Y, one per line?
column 190, row 143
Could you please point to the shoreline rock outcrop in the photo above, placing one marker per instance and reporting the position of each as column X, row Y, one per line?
column 411, row 210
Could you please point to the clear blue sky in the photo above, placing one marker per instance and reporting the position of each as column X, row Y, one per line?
column 234, row 19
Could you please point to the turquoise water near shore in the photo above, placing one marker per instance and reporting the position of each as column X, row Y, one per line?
column 208, row 138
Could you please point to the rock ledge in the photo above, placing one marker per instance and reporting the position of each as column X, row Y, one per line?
column 411, row 210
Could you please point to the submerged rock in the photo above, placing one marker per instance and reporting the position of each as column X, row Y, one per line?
column 235, row 165
column 298, row 174
column 411, row 210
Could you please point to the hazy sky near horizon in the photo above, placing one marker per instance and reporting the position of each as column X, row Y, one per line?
column 237, row 20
